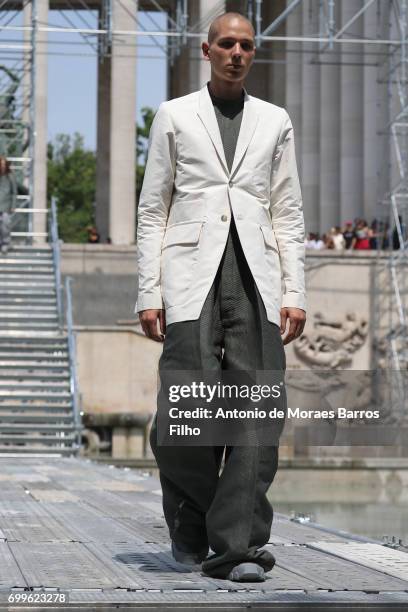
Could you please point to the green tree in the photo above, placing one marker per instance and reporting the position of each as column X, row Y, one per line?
column 142, row 140
column 72, row 181
column 72, row 178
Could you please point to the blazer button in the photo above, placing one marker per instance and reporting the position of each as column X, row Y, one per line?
column 231, row 184
column 224, row 218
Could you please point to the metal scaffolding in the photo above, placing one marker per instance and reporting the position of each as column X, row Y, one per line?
column 391, row 283
column 17, row 114
column 387, row 50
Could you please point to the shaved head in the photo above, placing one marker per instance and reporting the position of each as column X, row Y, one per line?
column 225, row 17
column 230, row 49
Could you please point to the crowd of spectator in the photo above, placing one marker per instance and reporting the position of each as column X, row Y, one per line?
column 358, row 235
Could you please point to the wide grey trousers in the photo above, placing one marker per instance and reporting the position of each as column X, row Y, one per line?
column 230, row 511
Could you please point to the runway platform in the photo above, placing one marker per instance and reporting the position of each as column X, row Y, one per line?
column 79, row 535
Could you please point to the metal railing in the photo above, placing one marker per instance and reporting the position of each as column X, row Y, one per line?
column 72, row 359
column 53, row 222
column 74, row 387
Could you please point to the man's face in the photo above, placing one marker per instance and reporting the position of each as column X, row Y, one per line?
column 232, row 51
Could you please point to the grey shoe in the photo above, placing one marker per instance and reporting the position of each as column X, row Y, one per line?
column 4, row 249
column 188, row 558
column 247, row 572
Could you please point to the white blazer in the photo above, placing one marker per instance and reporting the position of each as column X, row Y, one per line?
column 189, row 195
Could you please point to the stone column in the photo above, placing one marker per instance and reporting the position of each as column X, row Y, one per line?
column 103, row 166
column 39, row 199
column 268, row 74
column 330, row 131
column 208, row 10
column 26, row 81
column 116, row 139
column 352, row 118
column 27, row 84
column 190, row 71
column 311, row 120
column 383, row 110
column 294, row 74
column 372, row 152
column 394, row 100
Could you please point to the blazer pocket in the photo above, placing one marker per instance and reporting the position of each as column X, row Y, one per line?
column 269, row 237
column 182, row 233
column 179, row 258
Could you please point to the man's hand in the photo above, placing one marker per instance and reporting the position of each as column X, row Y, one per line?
column 297, row 320
column 148, row 320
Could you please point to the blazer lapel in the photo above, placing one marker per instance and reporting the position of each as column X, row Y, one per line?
column 207, row 115
column 248, row 124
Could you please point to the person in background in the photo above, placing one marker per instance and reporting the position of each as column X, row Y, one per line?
column 310, row 240
column 93, row 236
column 361, row 239
column 8, row 202
column 316, row 242
column 337, row 239
column 327, row 239
column 348, row 234
column 374, row 238
column 396, row 243
column 384, row 235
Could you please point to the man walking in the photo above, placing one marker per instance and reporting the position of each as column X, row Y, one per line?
column 221, row 279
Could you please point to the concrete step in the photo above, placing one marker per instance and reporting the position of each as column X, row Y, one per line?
column 21, row 308
column 27, row 250
column 27, row 293
column 27, row 317
column 14, row 257
column 8, row 385
column 27, row 259
column 36, row 301
column 21, row 334
column 18, row 268
column 26, row 449
column 43, row 359
column 7, row 344
column 41, row 374
column 28, row 428
column 26, row 277
column 30, row 248
column 32, row 366
column 47, row 395
column 46, row 439
column 38, row 406
column 33, row 339
column 36, row 417
column 19, row 283
column 30, row 347
column 32, row 326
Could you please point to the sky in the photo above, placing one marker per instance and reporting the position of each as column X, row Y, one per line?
column 72, row 72
column 72, row 80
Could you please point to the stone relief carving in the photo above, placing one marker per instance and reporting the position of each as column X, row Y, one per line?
column 332, row 342
column 327, row 349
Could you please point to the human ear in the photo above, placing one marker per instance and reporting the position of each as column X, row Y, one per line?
column 205, row 49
